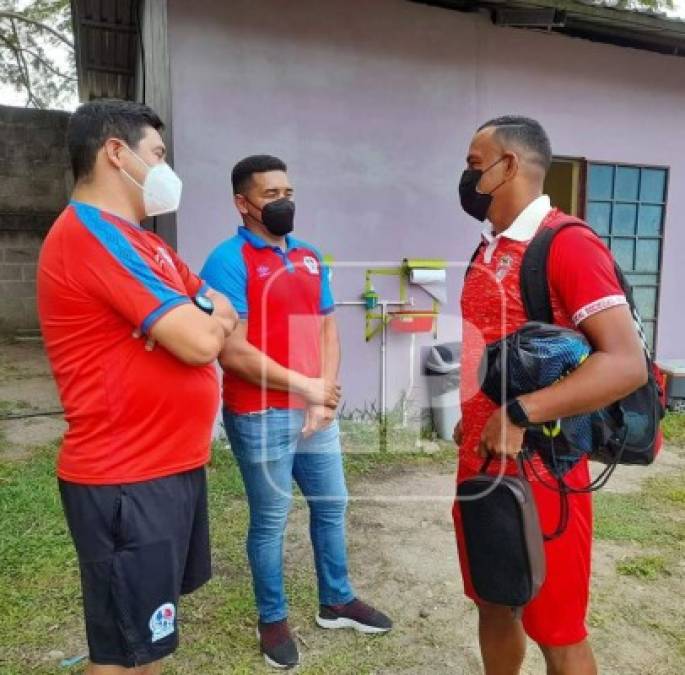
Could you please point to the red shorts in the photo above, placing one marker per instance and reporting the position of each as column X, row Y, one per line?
column 556, row 616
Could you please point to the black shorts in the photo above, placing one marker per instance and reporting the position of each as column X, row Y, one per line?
column 140, row 546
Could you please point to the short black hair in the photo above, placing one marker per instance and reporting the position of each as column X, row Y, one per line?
column 92, row 123
column 525, row 132
column 241, row 175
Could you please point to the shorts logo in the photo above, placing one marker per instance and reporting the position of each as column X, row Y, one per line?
column 162, row 621
column 311, row 264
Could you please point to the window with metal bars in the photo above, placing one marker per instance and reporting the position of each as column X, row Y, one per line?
column 626, row 205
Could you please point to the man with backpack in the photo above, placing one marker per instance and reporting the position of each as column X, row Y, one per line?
column 507, row 162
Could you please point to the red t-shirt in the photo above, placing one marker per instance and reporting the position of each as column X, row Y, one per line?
column 133, row 414
column 582, row 282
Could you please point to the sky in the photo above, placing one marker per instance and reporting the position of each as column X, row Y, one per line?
column 8, row 96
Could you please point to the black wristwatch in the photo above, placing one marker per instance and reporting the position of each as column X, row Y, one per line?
column 204, row 303
column 517, row 414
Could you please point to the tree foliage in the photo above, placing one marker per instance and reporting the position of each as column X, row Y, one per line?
column 37, row 51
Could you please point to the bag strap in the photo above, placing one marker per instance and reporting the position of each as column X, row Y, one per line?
column 486, row 464
column 533, row 274
column 473, row 258
column 560, row 488
column 535, row 285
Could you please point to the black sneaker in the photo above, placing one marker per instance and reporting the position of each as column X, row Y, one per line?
column 355, row 614
column 277, row 645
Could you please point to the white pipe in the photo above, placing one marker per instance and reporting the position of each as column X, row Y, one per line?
column 410, row 388
column 389, row 303
column 384, row 358
column 384, row 304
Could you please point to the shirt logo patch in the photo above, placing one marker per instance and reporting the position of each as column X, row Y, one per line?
column 311, row 264
column 504, row 265
column 162, row 621
column 163, row 258
column 263, row 271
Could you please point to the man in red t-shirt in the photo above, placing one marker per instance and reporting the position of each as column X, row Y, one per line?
column 507, row 162
column 131, row 466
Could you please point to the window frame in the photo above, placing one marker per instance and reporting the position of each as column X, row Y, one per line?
column 610, row 237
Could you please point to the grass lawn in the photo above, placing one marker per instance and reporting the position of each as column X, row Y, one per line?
column 39, row 583
column 40, row 594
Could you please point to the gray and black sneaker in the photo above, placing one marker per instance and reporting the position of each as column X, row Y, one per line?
column 355, row 614
column 277, row 645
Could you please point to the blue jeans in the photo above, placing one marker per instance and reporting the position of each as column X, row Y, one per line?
column 270, row 452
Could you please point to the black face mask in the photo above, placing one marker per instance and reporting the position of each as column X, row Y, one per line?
column 475, row 203
column 278, row 216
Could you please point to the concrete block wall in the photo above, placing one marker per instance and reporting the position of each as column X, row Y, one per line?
column 18, row 257
column 35, row 182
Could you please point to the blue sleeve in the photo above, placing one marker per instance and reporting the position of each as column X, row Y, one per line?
column 225, row 271
column 326, row 303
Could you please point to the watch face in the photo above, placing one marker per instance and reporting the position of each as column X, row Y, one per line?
column 204, row 303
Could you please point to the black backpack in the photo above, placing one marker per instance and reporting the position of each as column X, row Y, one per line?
column 627, row 431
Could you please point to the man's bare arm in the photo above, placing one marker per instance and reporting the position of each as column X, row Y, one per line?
column 189, row 334
column 251, row 364
column 319, row 416
column 616, row 367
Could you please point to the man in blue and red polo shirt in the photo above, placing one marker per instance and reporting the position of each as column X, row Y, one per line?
column 507, row 162
column 140, row 412
column 280, row 395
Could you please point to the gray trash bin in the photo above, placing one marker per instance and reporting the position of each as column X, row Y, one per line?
column 442, row 371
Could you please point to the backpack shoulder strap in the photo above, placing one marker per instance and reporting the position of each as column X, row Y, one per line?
column 533, row 274
column 473, row 258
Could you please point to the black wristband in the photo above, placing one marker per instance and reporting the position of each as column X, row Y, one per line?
column 517, row 414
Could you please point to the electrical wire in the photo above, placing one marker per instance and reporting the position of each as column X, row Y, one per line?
column 27, row 415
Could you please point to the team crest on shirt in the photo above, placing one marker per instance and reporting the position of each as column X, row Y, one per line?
column 162, row 621
column 312, row 264
column 504, row 265
column 263, row 271
column 163, row 258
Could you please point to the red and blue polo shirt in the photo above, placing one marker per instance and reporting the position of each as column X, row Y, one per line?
column 283, row 295
column 133, row 414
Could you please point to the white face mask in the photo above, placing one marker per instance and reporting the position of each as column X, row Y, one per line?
column 161, row 187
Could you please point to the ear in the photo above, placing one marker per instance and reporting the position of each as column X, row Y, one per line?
column 511, row 165
column 114, row 149
column 241, row 204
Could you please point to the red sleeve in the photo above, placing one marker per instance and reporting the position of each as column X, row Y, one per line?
column 191, row 281
column 107, row 268
column 581, row 274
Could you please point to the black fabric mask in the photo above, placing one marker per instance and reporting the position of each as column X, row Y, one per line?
column 278, row 216
column 475, row 203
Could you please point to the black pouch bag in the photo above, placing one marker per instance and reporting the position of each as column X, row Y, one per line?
column 502, row 536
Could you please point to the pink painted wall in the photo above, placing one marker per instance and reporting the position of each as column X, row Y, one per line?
column 372, row 104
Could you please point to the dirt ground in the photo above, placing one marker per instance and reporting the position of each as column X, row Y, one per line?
column 403, row 556
column 26, row 387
